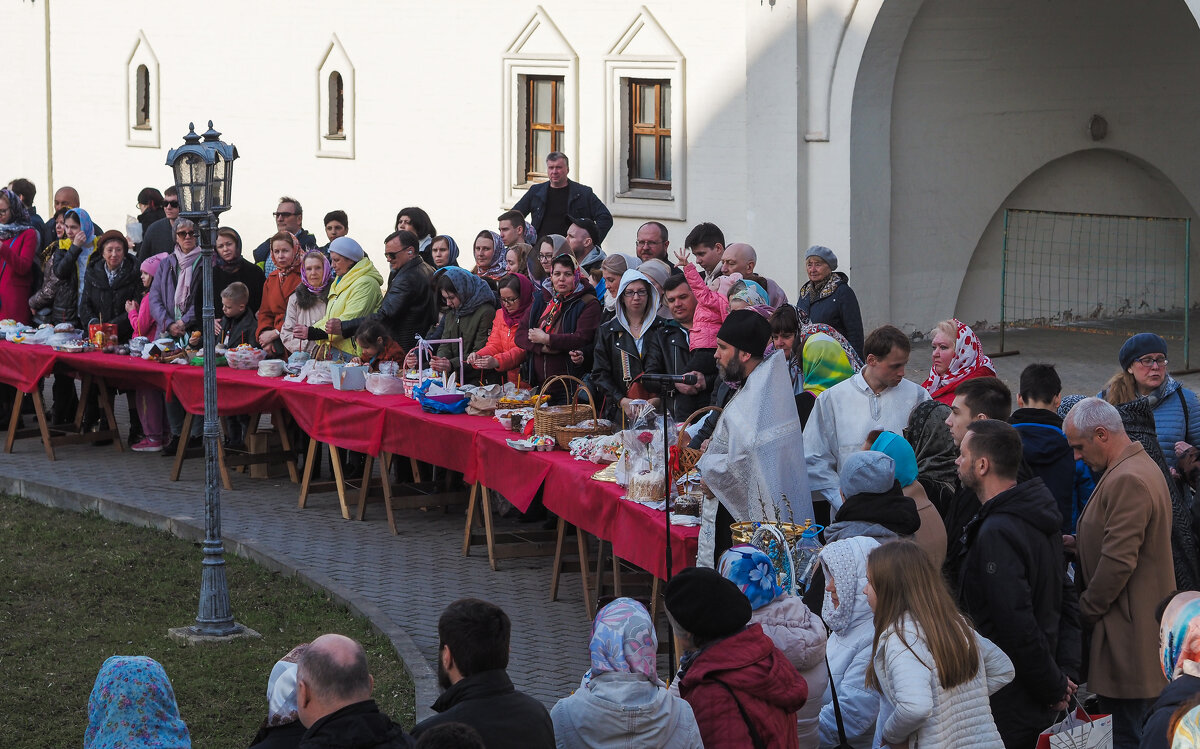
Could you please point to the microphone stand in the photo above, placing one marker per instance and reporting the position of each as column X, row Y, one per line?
column 668, row 402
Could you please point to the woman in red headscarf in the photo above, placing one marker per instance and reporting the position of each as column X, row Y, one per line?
column 957, row 357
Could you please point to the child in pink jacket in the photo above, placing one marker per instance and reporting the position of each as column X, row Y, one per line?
column 150, row 402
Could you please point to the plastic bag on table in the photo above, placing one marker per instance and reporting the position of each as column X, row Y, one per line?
column 642, row 445
column 382, row 384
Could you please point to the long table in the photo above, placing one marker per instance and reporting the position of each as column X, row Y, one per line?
column 377, row 424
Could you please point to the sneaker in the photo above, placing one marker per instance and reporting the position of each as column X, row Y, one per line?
column 147, row 446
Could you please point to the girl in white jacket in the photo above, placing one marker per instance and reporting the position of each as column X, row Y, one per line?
column 935, row 673
column 848, row 616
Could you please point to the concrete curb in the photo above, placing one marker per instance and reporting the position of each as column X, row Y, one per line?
column 190, row 529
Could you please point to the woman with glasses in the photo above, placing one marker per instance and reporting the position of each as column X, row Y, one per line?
column 1144, row 375
column 502, row 352
column 621, row 347
column 957, row 357
column 548, row 247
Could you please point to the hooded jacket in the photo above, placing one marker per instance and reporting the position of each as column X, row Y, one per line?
column 619, row 709
column 800, row 635
column 1013, row 586
column 852, row 629
column 619, row 359
column 353, row 295
column 409, row 307
column 883, row 516
column 744, row 669
column 1046, row 452
column 105, row 302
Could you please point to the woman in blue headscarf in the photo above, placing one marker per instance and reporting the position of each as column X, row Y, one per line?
column 471, row 307
column 132, row 704
column 444, row 251
column 73, row 263
column 490, row 252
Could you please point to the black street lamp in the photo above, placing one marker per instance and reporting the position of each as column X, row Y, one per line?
column 203, row 170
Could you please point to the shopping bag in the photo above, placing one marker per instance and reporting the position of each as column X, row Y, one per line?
column 1079, row 731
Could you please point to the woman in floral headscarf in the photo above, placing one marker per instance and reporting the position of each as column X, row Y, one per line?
column 790, row 624
column 621, row 701
column 934, row 446
column 282, row 727
column 489, row 252
column 307, row 303
column 18, row 250
column 1179, row 648
column 133, row 705
column 957, row 357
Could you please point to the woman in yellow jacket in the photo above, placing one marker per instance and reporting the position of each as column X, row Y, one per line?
column 355, row 292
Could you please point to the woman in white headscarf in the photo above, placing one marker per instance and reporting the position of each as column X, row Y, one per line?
column 282, row 729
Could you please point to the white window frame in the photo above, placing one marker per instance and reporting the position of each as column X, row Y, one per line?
column 518, row 66
column 142, row 136
column 619, row 69
column 335, row 60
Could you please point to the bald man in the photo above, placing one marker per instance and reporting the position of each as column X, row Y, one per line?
column 65, row 197
column 740, row 257
column 333, row 698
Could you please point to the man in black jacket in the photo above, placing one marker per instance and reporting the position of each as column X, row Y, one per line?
column 1042, row 438
column 548, row 204
column 670, row 352
column 333, row 699
column 472, row 659
column 289, row 217
column 409, row 307
column 1013, row 583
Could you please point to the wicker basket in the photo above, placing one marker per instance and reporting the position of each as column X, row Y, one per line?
column 744, row 531
column 555, row 420
column 690, row 456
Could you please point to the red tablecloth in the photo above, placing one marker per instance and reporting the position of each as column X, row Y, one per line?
column 22, row 365
column 361, row 421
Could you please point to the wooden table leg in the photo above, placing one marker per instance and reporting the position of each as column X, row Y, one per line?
column 85, row 384
column 14, row 421
column 42, row 426
column 485, row 500
column 616, row 565
column 286, row 443
column 365, row 488
column 336, row 459
column 225, row 480
column 584, row 568
column 385, row 475
column 309, row 457
column 111, row 418
column 470, row 525
column 558, row 555
column 184, row 436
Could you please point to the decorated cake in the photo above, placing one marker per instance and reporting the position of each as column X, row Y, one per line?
column 645, row 487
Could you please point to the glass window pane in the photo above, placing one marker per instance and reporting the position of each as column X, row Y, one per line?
column 666, row 105
column 541, row 147
column 645, row 157
column 559, row 88
column 666, row 158
column 541, row 100
column 646, row 94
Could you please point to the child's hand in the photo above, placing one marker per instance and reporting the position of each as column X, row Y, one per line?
column 682, row 255
column 410, row 359
column 130, row 305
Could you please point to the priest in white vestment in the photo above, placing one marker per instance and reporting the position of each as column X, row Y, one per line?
column 877, row 397
column 753, row 460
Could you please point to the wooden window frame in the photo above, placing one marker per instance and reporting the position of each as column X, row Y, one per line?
column 662, row 91
column 535, row 172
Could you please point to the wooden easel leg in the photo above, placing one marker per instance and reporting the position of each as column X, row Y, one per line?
column 365, row 489
column 285, row 442
column 466, row 548
column 14, row 421
column 336, row 458
column 558, row 554
column 109, row 416
column 486, row 501
column 185, row 434
column 308, row 471
column 584, row 569
column 42, row 426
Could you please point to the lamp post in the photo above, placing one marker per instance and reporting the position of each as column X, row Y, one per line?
column 203, row 169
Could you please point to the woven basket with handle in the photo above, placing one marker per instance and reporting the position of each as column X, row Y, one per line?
column 690, row 456
column 557, row 421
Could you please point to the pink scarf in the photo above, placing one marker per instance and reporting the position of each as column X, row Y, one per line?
column 183, row 284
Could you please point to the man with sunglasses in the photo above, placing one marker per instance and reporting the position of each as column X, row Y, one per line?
column 160, row 236
column 289, row 216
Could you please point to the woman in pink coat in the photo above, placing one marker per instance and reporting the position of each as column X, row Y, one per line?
column 18, row 247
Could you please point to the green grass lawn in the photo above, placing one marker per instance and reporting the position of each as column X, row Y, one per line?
column 75, row 589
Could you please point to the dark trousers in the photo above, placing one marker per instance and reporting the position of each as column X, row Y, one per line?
column 1127, row 716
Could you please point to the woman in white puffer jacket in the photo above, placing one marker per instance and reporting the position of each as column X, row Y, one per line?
column 936, row 674
column 852, row 630
column 795, row 630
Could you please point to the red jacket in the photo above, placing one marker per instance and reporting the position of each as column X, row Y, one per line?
column 502, row 344
column 767, row 685
column 275, row 293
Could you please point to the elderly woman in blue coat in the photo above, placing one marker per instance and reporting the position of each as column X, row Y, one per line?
column 1144, row 375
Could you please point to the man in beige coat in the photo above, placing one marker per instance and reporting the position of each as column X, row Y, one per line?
column 1124, row 553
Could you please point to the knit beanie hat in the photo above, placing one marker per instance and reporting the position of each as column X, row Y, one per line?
column 705, row 604
column 746, row 330
column 1140, row 345
column 150, row 264
column 347, row 248
column 824, row 253
column 867, row 472
column 1067, row 403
